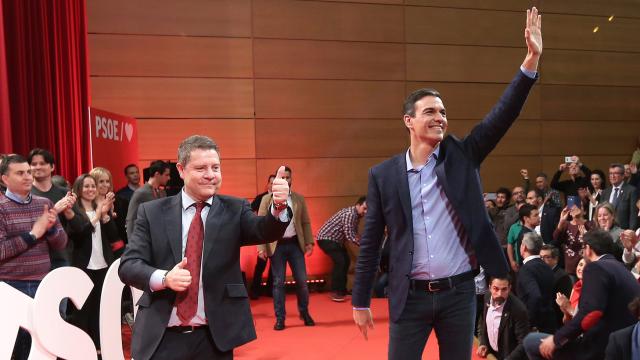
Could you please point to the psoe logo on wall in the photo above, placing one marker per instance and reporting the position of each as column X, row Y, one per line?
column 52, row 337
column 111, row 129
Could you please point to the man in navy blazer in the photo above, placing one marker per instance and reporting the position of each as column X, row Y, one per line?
column 430, row 199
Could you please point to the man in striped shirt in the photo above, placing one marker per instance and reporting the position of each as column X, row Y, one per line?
column 341, row 227
column 29, row 226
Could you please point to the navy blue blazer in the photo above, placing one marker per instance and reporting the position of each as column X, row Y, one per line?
column 458, row 171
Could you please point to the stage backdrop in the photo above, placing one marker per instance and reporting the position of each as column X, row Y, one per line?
column 114, row 142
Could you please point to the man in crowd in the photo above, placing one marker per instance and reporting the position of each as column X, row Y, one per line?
column 530, row 219
column 296, row 242
column 623, row 197
column 542, row 185
column 29, row 228
column 185, row 255
column 498, row 215
column 430, row 200
column 535, row 284
column 562, row 282
column 261, row 259
column 159, row 176
column 570, row 186
column 504, row 323
column 132, row 173
column 549, row 214
column 332, row 238
column 42, row 165
column 608, row 287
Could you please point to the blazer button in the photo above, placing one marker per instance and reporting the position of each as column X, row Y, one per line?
column 411, row 252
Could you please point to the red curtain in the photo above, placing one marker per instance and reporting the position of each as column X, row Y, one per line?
column 6, row 145
column 47, row 68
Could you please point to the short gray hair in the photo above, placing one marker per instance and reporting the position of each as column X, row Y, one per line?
column 192, row 143
column 533, row 242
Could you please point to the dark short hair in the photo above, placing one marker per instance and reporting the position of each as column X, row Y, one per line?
column 504, row 190
column 11, row 159
column 272, row 176
column 600, row 241
column 543, row 175
column 46, row 155
column 617, row 165
column 158, row 166
column 506, row 277
column 409, row 107
column 361, row 200
column 634, row 307
column 194, row 142
column 128, row 166
column 525, row 210
column 555, row 252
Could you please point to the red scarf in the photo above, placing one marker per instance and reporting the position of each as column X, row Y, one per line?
column 575, row 294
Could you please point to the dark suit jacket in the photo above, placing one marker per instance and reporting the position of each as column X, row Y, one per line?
column 457, row 169
column 626, row 210
column 535, row 289
column 562, row 283
column 514, row 326
column 549, row 221
column 608, row 288
column 81, row 235
column 156, row 243
column 143, row 194
column 619, row 346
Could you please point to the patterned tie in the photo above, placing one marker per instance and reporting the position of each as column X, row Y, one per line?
column 615, row 197
column 187, row 301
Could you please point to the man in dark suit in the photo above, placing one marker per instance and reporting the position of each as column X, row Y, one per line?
column 430, row 199
column 623, row 197
column 549, row 213
column 623, row 344
column 607, row 289
column 504, row 323
column 562, row 282
column 535, row 284
column 185, row 255
column 159, row 176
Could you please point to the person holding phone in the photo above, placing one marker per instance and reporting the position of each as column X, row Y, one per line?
column 569, row 236
column 574, row 168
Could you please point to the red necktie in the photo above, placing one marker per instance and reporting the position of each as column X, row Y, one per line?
column 187, row 301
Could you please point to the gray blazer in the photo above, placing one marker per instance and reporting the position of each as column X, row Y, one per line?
column 139, row 197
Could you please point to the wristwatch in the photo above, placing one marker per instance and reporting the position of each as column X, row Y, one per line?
column 33, row 237
column 164, row 279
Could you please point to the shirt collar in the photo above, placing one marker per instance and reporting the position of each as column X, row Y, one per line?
column 17, row 198
column 435, row 154
column 496, row 307
column 188, row 201
column 530, row 257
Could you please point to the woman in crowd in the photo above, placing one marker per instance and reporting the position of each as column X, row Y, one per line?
column 631, row 245
column 606, row 220
column 568, row 236
column 92, row 248
column 598, row 183
column 104, row 186
column 569, row 306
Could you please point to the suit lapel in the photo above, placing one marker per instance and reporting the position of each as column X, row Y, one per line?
column 506, row 315
column 173, row 226
column 212, row 226
column 403, row 189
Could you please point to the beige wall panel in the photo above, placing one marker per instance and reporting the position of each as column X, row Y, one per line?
column 497, row 171
column 327, row 21
column 589, row 137
column 161, row 137
column 339, row 138
column 131, row 55
column 169, row 17
column 519, row 5
column 474, row 101
column 174, row 97
column 451, row 63
column 576, row 32
column 591, row 68
column 303, row 59
column 628, row 8
column 523, row 138
column 464, row 27
column 328, row 99
column 317, row 177
column 563, row 102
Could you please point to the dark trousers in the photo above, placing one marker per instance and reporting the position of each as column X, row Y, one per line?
column 573, row 350
column 450, row 313
column 289, row 252
column 23, row 342
column 256, row 282
column 88, row 318
column 340, row 258
column 196, row 345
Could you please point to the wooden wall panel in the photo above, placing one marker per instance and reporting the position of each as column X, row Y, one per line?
column 523, row 138
column 328, row 99
column 595, row 138
column 466, row 4
column 497, row 171
column 463, row 27
column 132, row 55
column 168, row 17
column 475, row 100
column 174, row 97
column 161, row 137
column 586, row 68
column 311, row 138
column 452, row 63
column 317, row 177
column 327, row 21
column 627, row 8
column 565, row 102
column 576, row 32
column 303, row 59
